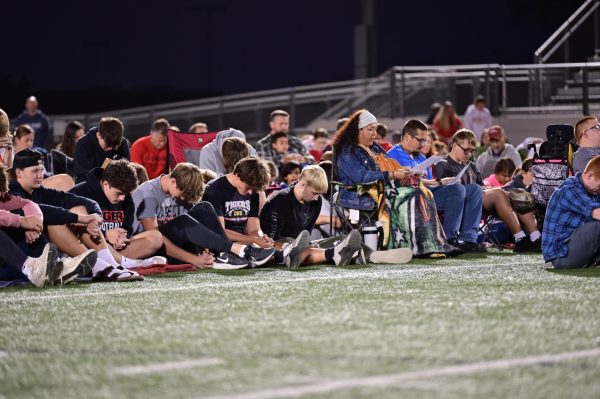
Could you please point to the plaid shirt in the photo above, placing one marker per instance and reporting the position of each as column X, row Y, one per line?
column 265, row 151
column 569, row 208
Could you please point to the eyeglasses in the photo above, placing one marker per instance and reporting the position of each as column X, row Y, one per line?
column 466, row 150
column 421, row 141
column 596, row 126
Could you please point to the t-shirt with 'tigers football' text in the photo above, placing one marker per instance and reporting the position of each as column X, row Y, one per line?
column 234, row 207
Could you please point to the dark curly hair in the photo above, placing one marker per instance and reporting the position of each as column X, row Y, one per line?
column 121, row 175
column 348, row 133
column 253, row 172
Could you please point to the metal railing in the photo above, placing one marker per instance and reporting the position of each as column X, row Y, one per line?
column 566, row 30
column 399, row 92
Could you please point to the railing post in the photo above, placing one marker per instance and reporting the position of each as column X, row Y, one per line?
column 402, row 95
column 392, row 93
column 293, row 115
column 487, row 83
column 496, row 111
column 586, row 104
column 504, row 90
column 221, row 114
column 596, row 32
column 530, row 88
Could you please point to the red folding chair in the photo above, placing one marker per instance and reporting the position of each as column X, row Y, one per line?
column 185, row 147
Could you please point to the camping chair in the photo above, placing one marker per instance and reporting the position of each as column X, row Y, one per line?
column 355, row 218
column 185, row 147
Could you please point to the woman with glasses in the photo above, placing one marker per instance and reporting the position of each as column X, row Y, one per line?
column 409, row 206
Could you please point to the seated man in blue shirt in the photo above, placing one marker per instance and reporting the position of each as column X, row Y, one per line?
column 460, row 203
column 571, row 236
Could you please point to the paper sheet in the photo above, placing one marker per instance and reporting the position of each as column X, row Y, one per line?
column 422, row 167
column 456, row 179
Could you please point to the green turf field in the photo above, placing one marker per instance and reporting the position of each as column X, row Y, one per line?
column 494, row 326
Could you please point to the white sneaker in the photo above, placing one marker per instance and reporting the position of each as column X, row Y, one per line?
column 154, row 260
column 392, row 256
column 80, row 265
column 44, row 269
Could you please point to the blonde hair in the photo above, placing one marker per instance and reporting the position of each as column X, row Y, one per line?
column 315, row 177
column 579, row 127
column 4, row 123
column 465, row 134
column 188, row 178
column 593, row 166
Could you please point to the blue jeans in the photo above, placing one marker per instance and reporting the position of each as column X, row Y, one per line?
column 461, row 205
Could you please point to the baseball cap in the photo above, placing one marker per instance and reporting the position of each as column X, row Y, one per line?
column 26, row 158
column 495, row 133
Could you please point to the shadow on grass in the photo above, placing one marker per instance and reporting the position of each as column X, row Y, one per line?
column 589, row 272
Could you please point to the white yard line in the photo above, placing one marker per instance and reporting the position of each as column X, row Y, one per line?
column 207, row 284
column 3, row 354
column 164, row 367
column 395, row 379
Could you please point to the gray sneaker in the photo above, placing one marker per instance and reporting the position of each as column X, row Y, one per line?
column 44, row 269
column 292, row 252
column 72, row 268
column 345, row 250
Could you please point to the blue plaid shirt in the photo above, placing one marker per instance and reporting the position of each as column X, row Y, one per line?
column 569, row 208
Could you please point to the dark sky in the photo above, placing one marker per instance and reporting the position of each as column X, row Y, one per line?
column 206, row 47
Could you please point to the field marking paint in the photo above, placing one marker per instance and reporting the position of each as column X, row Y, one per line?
column 395, row 379
column 168, row 366
column 3, row 354
column 207, row 285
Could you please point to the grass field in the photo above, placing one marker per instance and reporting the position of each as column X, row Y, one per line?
column 493, row 326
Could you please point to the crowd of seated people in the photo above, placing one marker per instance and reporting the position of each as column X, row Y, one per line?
column 122, row 208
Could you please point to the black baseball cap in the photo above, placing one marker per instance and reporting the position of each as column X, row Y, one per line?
column 26, row 158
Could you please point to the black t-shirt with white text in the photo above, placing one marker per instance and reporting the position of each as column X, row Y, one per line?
column 234, row 207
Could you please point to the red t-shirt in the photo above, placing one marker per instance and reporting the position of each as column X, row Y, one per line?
column 145, row 154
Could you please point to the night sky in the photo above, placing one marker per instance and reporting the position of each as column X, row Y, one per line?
column 75, row 55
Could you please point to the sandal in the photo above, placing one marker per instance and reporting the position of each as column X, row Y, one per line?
column 117, row 274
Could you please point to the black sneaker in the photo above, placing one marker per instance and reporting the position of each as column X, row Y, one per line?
column 345, row 250
column 229, row 261
column 469, row 246
column 258, row 256
column 293, row 250
column 526, row 245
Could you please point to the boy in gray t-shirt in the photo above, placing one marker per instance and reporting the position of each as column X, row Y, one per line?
column 190, row 231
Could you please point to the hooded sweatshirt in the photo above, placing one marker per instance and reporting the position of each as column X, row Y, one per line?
column 114, row 216
column 89, row 154
column 210, row 155
column 55, row 204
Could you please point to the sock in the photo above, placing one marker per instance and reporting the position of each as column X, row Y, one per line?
column 329, row 255
column 242, row 251
column 99, row 266
column 535, row 235
column 519, row 236
column 126, row 262
column 107, row 257
column 25, row 268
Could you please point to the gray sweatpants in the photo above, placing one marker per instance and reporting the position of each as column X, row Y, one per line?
column 584, row 248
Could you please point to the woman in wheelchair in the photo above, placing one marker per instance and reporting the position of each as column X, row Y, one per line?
column 406, row 208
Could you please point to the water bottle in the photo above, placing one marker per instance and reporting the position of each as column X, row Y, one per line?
column 370, row 236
